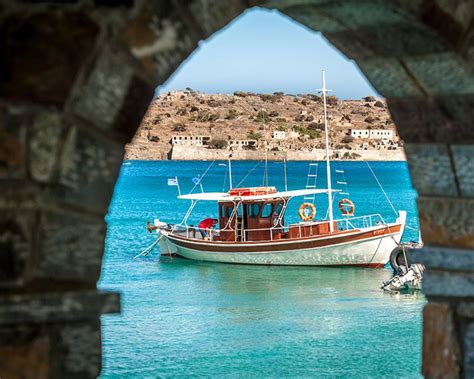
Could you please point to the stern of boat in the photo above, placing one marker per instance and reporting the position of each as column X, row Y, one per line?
column 401, row 219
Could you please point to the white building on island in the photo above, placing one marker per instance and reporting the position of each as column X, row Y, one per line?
column 279, row 134
column 190, row 140
column 372, row 133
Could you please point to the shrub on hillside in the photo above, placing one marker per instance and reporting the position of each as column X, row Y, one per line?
column 315, row 126
column 231, row 114
column 262, row 116
column 369, row 119
column 179, row 127
column 347, row 139
column 332, row 100
column 153, row 138
column 379, row 104
column 369, row 98
column 254, row 135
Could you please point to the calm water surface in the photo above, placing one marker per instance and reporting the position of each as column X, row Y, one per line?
column 182, row 318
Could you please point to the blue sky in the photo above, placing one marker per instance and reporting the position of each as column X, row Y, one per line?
column 264, row 51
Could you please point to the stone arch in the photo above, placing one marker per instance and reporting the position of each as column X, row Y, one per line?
column 76, row 81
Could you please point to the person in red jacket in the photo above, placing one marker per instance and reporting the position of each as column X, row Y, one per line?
column 205, row 225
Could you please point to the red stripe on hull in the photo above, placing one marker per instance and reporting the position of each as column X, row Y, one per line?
column 283, row 245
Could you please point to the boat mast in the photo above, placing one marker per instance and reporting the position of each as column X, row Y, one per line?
column 328, row 166
column 230, row 172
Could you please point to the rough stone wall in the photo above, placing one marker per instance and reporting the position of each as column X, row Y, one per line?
column 76, row 78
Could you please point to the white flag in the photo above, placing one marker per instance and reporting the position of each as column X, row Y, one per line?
column 173, row 181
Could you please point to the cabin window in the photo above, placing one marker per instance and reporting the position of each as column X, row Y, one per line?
column 229, row 211
column 278, row 208
column 254, row 210
column 222, row 212
column 267, row 210
column 239, row 211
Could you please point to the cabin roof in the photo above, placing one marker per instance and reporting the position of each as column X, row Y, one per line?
column 224, row 196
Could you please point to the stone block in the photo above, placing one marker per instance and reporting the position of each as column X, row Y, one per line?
column 430, row 120
column 79, row 350
column 452, row 284
column 431, row 169
column 114, row 94
column 45, row 137
column 13, row 142
column 17, row 240
column 213, row 15
column 361, row 14
column 56, row 307
column 469, row 351
column 43, row 53
column 88, row 168
column 447, row 221
column 389, row 77
column 314, row 20
column 25, row 351
column 441, row 74
column 444, row 258
column 441, row 352
column 463, row 157
column 70, row 247
column 387, row 41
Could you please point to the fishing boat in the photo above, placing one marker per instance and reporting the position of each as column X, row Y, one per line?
column 250, row 228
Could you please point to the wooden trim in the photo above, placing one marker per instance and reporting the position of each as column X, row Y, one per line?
column 282, row 245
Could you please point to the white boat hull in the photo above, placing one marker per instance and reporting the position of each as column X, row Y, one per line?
column 371, row 251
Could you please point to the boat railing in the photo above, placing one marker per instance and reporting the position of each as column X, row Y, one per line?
column 347, row 223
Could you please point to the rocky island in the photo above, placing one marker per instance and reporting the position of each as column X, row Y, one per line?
column 187, row 125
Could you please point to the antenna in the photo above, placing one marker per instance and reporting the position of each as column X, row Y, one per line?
column 328, row 166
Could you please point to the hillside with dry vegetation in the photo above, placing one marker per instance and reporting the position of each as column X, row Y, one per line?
column 225, row 119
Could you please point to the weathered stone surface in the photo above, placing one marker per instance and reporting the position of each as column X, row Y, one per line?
column 70, row 247
column 441, row 352
column 465, row 309
column 17, row 240
column 444, row 258
column 447, row 221
column 311, row 18
column 43, row 53
column 463, row 157
column 386, row 40
column 430, row 120
column 390, row 77
column 431, row 169
column 44, row 145
column 442, row 74
column 88, row 167
column 13, row 142
column 114, row 95
column 80, row 350
column 25, row 352
column 453, row 284
column 57, row 306
column 469, row 352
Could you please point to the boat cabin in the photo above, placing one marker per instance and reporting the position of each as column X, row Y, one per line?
column 258, row 214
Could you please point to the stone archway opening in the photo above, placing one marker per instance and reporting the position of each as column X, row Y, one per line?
column 76, row 82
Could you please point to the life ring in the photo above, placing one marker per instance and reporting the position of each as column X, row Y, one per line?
column 346, row 207
column 303, row 214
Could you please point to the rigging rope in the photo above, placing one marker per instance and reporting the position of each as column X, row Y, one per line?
column 380, row 185
column 225, row 177
column 202, row 177
column 248, row 173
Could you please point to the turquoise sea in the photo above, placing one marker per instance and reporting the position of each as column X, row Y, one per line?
column 182, row 318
